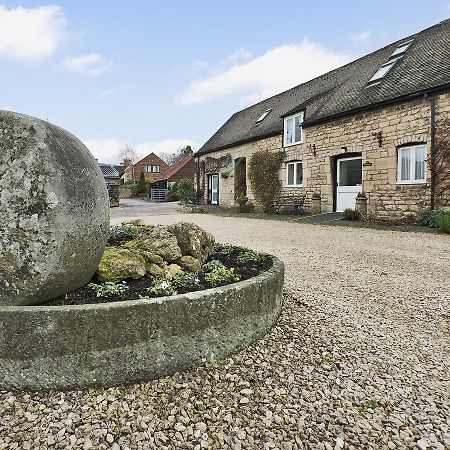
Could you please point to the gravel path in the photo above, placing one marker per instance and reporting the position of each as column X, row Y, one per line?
column 359, row 359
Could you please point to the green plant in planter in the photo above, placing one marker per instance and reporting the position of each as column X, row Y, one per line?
column 216, row 273
column 185, row 280
column 223, row 249
column 246, row 256
column 443, row 221
column 212, row 265
column 108, row 289
column 242, row 199
column 162, row 287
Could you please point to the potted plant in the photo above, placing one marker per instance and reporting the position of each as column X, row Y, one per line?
column 242, row 199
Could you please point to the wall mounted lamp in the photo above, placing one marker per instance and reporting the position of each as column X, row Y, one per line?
column 379, row 136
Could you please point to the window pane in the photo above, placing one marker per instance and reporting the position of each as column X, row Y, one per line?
column 350, row 172
column 420, row 163
column 290, row 178
column 289, row 131
column 405, row 164
column 298, row 129
column 299, row 174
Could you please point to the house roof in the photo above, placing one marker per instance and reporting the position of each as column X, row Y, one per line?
column 155, row 159
column 172, row 170
column 109, row 171
column 120, row 168
column 425, row 66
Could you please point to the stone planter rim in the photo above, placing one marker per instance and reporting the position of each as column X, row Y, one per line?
column 276, row 264
column 134, row 341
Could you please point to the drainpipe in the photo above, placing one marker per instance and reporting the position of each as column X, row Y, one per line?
column 432, row 101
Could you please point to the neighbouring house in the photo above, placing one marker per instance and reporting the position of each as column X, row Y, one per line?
column 369, row 126
column 111, row 174
column 151, row 165
column 184, row 168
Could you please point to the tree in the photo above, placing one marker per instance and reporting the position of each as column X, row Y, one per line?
column 142, row 186
column 180, row 153
column 440, row 164
column 129, row 156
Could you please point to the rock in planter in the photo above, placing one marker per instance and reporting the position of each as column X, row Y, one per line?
column 193, row 240
column 54, row 211
column 172, row 270
column 157, row 241
column 191, row 263
column 118, row 264
column 155, row 270
column 151, row 258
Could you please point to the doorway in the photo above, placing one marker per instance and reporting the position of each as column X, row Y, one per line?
column 240, row 177
column 213, row 189
column 349, row 182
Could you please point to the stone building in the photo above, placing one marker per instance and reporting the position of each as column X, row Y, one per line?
column 367, row 127
column 111, row 174
column 151, row 165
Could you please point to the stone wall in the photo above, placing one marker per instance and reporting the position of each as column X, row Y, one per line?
column 403, row 123
column 113, row 192
column 219, row 161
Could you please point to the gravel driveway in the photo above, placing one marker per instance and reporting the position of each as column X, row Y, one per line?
column 359, row 359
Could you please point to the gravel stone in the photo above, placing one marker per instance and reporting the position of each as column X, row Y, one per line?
column 358, row 360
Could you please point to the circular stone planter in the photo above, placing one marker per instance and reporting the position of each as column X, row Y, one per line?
column 110, row 344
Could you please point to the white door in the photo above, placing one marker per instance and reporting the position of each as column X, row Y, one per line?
column 213, row 188
column 349, row 182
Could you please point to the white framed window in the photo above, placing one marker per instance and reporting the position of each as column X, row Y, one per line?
column 294, row 174
column 147, row 169
column 411, row 168
column 293, row 133
column 155, row 169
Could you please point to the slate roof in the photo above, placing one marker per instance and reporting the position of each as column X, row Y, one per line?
column 173, row 169
column 424, row 67
column 109, row 171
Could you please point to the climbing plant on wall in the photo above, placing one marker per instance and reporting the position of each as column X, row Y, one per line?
column 263, row 176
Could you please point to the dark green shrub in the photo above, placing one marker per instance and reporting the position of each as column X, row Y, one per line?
column 183, row 189
column 427, row 217
column 263, row 175
column 443, row 221
column 351, row 214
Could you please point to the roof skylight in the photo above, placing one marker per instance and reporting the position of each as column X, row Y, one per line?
column 387, row 66
column 401, row 49
column 382, row 71
column 263, row 115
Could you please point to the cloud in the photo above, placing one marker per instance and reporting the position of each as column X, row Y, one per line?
column 93, row 64
column 107, row 150
column 275, row 71
column 31, row 34
column 364, row 36
column 240, row 55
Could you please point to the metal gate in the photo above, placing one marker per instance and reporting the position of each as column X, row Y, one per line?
column 158, row 195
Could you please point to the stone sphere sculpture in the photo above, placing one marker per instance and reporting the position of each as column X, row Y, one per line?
column 54, row 211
